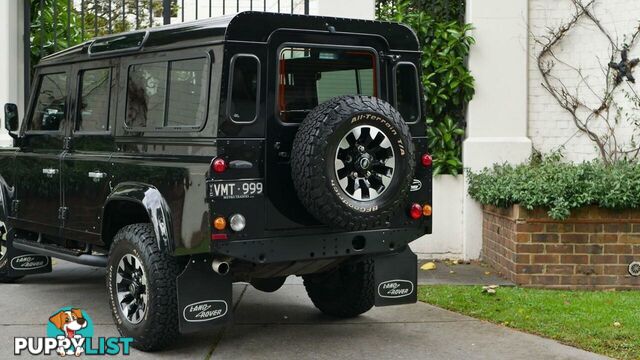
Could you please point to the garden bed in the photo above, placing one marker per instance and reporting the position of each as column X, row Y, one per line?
column 590, row 249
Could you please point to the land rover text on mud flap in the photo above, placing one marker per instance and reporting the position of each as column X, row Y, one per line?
column 243, row 148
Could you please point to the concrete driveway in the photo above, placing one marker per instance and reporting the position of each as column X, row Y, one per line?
column 281, row 325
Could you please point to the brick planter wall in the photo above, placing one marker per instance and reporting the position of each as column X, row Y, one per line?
column 590, row 250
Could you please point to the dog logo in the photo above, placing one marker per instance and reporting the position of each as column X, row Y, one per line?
column 72, row 324
column 69, row 321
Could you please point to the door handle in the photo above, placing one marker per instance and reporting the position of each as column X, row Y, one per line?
column 49, row 172
column 97, row 175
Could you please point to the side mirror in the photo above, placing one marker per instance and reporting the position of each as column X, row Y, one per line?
column 11, row 119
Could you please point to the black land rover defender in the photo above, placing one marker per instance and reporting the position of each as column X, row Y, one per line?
column 243, row 148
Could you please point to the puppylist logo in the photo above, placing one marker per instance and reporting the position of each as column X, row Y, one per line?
column 70, row 332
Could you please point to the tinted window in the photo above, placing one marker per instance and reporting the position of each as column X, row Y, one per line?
column 146, row 93
column 407, row 92
column 243, row 105
column 50, row 106
column 167, row 94
column 93, row 112
column 311, row 76
column 187, row 92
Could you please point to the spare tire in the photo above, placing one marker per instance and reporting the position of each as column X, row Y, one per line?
column 353, row 162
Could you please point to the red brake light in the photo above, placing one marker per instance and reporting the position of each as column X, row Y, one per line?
column 426, row 160
column 416, row 211
column 219, row 165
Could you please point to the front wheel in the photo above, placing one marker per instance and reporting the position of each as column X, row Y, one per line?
column 345, row 292
column 5, row 233
column 141, row 281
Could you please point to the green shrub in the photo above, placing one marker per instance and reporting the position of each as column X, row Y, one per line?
column 448, row 84
column 558, row 186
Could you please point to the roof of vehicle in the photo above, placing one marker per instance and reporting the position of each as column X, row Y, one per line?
column 245, row 26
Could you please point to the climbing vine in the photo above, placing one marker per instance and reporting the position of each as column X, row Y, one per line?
column 606, row 110
column 448, row 84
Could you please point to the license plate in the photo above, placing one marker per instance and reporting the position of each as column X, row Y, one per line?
column 229, row 190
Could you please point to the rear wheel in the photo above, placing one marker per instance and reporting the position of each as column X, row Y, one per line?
column 268, row 284
column 345, row 292
column 141, row 280
column 5, row 233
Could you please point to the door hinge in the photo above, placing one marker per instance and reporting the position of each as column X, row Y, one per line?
column 63, row 213
column 15, row 207
column 391, row 58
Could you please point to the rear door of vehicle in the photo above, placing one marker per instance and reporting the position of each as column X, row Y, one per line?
column 85, row 166
column 38, row 161
column 292, row 97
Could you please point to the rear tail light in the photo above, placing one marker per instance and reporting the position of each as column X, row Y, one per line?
column 416, row 211
column 426, row 160
column 219, row 165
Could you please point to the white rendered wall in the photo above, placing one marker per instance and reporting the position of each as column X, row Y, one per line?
column 551, row 127
column 356, row 9
column 497, row 115
column 11, row 60
column 446, row 240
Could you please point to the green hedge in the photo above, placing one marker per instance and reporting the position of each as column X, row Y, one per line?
column 448, row 84
column 558, row 186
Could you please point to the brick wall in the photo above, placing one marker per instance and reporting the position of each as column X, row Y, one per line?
column 590, row 250
column 585, row 48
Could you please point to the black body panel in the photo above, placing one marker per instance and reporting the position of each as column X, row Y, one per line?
column 80, row 187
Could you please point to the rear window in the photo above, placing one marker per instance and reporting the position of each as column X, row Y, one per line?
column 167, row 95
column 311, row 76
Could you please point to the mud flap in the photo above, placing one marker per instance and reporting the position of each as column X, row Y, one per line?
column 204, row 297
column 21, row 263
column 396, row 278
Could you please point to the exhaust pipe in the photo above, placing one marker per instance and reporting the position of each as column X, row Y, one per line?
column 220, row 266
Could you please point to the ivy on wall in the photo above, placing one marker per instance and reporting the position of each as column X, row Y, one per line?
column 448, row 84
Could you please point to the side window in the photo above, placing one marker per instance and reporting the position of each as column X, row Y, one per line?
column 93, row 108
column 167, row 95
column 407, row 92
column 146, row 92
column 187, row 101
column 50, row 107
column 244, row 87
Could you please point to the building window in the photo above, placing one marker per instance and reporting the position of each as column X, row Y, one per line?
column 93, row 111
column 167, row 95
column 50, row 107
column 244, row 88
column 407, row 91
column 311, row 76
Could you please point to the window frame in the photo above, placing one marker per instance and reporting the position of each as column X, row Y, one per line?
column 79, row 99
column 34, row 98
column 418, row 92
column 232, row 65
column 370, row 49
column 208, row 56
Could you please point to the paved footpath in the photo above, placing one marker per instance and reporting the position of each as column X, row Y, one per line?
column 280, row 325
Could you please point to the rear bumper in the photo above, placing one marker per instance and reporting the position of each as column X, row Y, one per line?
column 317, row 246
